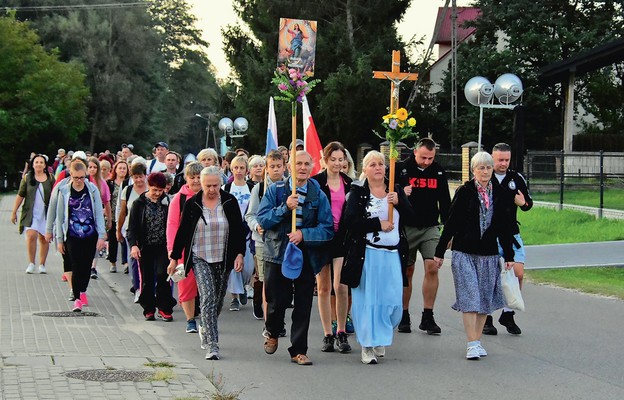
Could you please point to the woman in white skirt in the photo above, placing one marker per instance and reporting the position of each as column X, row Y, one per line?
column 376, row 257
column 34, row 194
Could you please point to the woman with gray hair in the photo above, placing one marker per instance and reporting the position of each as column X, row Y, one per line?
column 212, row 238
column 479, row 218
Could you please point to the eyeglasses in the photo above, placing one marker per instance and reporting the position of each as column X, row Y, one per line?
column 79, row 178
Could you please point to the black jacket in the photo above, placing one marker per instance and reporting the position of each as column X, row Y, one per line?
column 463, row 225
column 193, row 211
column 357, row 225
column 513, row 182
column 430, row 192
column 137, row 226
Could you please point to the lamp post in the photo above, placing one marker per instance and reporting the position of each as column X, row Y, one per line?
column 480, row 92
column 208, row 120
column 233, row 129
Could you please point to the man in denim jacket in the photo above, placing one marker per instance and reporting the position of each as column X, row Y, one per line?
column 314, row 229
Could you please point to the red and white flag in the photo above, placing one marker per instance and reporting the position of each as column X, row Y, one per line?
column 311, row 141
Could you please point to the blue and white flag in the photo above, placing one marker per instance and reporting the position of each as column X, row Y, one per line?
column 271, row 143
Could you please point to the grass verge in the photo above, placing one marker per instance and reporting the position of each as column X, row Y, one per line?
column 613, row 198
column 606, row 281
column 545, row 226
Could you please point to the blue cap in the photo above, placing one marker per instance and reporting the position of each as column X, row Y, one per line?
column 293, row 261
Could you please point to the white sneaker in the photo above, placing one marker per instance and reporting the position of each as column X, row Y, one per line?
column 368, row 356
column 482, row 352
column 30, row 269
column 472, row 353
column 137, row 294
column 42, row 269
column 250, row 291
column 380, row 351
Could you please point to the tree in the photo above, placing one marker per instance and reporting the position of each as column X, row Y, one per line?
column 139, row 61
column 533, row 35
column 351, row 43
column 42, row 100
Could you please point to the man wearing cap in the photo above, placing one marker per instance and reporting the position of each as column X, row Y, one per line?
column 314, row 229
column 126, row 151
column 158, row 163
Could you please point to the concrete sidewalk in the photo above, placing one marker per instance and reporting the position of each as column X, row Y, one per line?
column 38, row 352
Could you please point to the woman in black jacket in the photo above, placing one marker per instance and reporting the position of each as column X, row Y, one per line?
column 335, row 184
column 212, row 236
column 376, row 260
column 478, row 218
column 147, row 240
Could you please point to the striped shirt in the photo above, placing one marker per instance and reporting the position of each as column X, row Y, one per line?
column 211, row 234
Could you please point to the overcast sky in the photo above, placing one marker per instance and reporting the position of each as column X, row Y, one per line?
column 212, row 15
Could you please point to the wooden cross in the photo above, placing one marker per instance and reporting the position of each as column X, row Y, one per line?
column 395, row 76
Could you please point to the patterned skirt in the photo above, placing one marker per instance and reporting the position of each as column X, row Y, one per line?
column 477, row 283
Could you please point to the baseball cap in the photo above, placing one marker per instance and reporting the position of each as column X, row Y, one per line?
column 79, row 154
column 162, row 144
column 299, row 143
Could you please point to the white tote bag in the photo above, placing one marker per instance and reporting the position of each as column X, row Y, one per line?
column 511, row 288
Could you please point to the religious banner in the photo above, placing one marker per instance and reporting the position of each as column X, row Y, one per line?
column 296, row 46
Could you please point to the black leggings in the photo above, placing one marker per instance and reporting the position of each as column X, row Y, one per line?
column 78, row 258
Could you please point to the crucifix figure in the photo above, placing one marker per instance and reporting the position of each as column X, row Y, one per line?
column 396, row 77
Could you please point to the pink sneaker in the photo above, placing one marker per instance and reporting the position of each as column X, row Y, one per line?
column 83, row 299
column 64, row 278
column 77, row 306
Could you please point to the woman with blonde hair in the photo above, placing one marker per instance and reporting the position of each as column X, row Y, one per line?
column 376, row 256
column 95, row 177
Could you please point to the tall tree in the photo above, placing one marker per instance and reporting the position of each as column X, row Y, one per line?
column 42, row 100
column 522, row 37
column 354, row 38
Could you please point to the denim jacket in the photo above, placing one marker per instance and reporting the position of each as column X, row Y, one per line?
column 275, row 217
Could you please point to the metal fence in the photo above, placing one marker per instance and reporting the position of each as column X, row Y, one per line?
column 452, row 163
column 560, row 172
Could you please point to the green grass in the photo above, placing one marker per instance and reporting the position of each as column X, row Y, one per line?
column 545, row 226
column 608, row 281
column 613, row 198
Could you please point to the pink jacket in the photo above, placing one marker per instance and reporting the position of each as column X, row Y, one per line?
column 175, row 215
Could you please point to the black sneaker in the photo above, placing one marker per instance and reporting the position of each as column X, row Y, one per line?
column 282, row 332
column 489, row 328
column 243, row 297
column 94, row 274
column 405, row 326
column 428, row 324
column 328, row 344
column 258, row 312
column 507, row 320
column 343, row 342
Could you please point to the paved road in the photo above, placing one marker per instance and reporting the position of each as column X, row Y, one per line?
column 570, row 347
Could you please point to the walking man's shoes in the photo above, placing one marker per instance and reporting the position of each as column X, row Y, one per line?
column 270, row 345
column 301, row 359
column 507, row 320
column 489, row 328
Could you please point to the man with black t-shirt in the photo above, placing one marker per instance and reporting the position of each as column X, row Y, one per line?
column 426, row 187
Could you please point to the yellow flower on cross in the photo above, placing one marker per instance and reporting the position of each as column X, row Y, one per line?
column 401, row 114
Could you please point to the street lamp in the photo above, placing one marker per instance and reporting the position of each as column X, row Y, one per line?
column 481, row 93
column 214, row 138
column 233, row 129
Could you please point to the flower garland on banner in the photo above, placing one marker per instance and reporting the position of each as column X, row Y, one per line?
column 293, row 86
column 398, row 127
